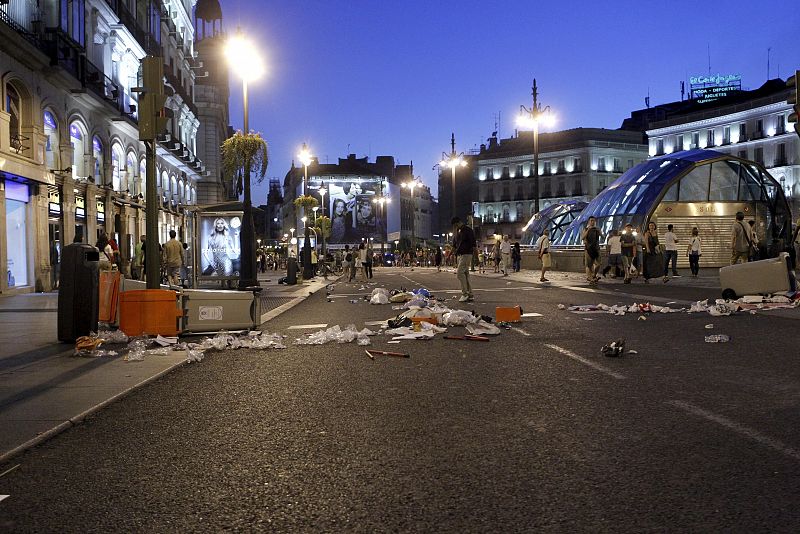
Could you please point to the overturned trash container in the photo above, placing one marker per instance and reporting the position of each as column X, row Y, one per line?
column 291, row 271
column 78, row 291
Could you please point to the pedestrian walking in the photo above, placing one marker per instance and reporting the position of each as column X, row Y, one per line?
column 670, row 253
column 438, row 258
column 591, row 246
column 505, row 254
column 370, row 260
column 755, row 250
column 314, row 261
column 614, row 251
column 627, row 243
column 653, row 258
column 138, row 260
column 347, row 264
column 106, row 252
column 740, row 240
column 482, row 261
column 173, row 258
column 463, row 244
column 543, row 250
column 694, row 252
column 516, row 257
column 362, row 260
column 496, row 256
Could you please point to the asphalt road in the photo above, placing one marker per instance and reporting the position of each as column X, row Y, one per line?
column 533, row 431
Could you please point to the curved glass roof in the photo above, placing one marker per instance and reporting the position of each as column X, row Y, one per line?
column 555, row 217
column 690, row 176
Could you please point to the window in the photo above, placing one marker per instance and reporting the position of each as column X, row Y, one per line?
column 710, row 138
column 506, row 172
column 617, row 165
column 562, row 166
column 678, row 142
column 760, row 127
column 547, row 169
column 562, row 188
column 758, row 155
column 143, row 177
column 659, row 147
column 694, row 186
column 724, row 181
column 547, row 187
column 601, row 164
column 97, row 155
column 79, row 166
column 577, row 188
column 743, row 153
column 518, row 173
column 630, row 164
column 520, row 193
column 519, row 211
column 116, row 169
column 490, row 173
column 780, row 125
column 780, row 156
column 695, row 139
column 130, row 174
column 726, row 135
column 600, row 186
column 14, row 108
column 51, row 142
column 577, row 166
column 73, row 19
column 743, row 132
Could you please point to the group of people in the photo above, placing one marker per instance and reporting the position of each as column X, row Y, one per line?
column 173, row 267
column 358, row 260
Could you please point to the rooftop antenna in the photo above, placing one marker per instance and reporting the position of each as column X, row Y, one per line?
column 769, row 50
column 497, row 117
column 683, row 90
column 647, row 99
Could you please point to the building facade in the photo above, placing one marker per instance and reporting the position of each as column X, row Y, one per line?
column 573, row 165
column 750, row 125
column 72, row 164
column 365, row 200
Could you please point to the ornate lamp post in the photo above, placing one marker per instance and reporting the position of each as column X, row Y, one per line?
column 453, row 159
column 530, row 119
column 245, row 61
column 305, row 158
column 411, row 185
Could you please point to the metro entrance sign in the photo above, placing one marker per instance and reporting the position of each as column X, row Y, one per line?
column 710, row 88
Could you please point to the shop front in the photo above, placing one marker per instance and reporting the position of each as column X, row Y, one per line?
column 18, row 264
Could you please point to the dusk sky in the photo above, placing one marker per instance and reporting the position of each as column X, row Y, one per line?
column 396, row 78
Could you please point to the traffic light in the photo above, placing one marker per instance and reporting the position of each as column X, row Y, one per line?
column 152, row 115
column 794, row 85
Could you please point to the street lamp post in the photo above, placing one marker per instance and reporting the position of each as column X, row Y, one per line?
column 305, row 159
column 411, row 186
column 322, row 192
column 530, row 118
column 381, row 202
column 246, row 62
column 453, row 159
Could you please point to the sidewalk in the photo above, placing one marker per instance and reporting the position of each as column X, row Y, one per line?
column 45, row 390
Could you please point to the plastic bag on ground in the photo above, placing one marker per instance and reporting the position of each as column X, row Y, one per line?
column 458, row 318
column 136, row 350
column 401, row 297
column 379, row 298
column 482, row 328
column 194, row 356
column 113, row 336
column 380, row 290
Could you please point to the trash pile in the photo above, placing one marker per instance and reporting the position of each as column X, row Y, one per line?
column 335, row 334
column 719, row 308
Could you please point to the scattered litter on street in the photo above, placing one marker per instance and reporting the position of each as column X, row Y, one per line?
column 113, row 336
column 468, row 337
column 166, row 341
column 614, row 348
column 718, row 338
column 338, row 335
column 633, row 352
column 372, row 353
column 709, row 326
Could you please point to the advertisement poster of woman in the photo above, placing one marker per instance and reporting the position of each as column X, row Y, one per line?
column 219, row 245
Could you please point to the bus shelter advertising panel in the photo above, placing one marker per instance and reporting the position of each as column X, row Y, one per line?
column 218, row 235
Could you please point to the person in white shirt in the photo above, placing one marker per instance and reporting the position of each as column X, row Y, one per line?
column 694, row 252
column 505, row 252
column 614, row 250
column 543, row 249
column 671, row 253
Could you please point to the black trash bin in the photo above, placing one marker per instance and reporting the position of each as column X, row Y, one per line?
column 78, row 291
column 291, row 271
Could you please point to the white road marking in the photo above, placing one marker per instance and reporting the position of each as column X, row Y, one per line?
column 520, row 330
column 532, row 314
column 745, row 431
column 374, row 323
column 307, row 326
column 3, row 497
column 593, row 365
column 584, row 289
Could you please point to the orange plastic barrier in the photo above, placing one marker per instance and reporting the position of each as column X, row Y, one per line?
column 149, row 311
column 508, row 315
column 109, row 294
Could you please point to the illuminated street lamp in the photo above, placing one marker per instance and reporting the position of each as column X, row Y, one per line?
column 453, row 160
column 530, row 119
column 322, row 192
column 305, row 158
column 245, row 61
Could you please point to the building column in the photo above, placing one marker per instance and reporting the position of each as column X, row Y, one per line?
column 91, row 212
column 68, row 212
column 42, row 270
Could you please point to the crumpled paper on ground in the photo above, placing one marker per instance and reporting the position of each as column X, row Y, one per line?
column 379, row 298
column 458, row 318
column 338, row 335
column 113, row 336
column 482, row 328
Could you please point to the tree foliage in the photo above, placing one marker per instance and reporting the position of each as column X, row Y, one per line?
column 323, row 227
column 307, row 202
column 238, row 151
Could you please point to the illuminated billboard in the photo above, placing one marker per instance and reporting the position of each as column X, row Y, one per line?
column 220, row 249
column 355, row 216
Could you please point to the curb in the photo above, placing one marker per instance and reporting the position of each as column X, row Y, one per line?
column 74, row 421
column 265, row 317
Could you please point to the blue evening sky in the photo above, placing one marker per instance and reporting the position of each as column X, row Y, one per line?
column 396, row 77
